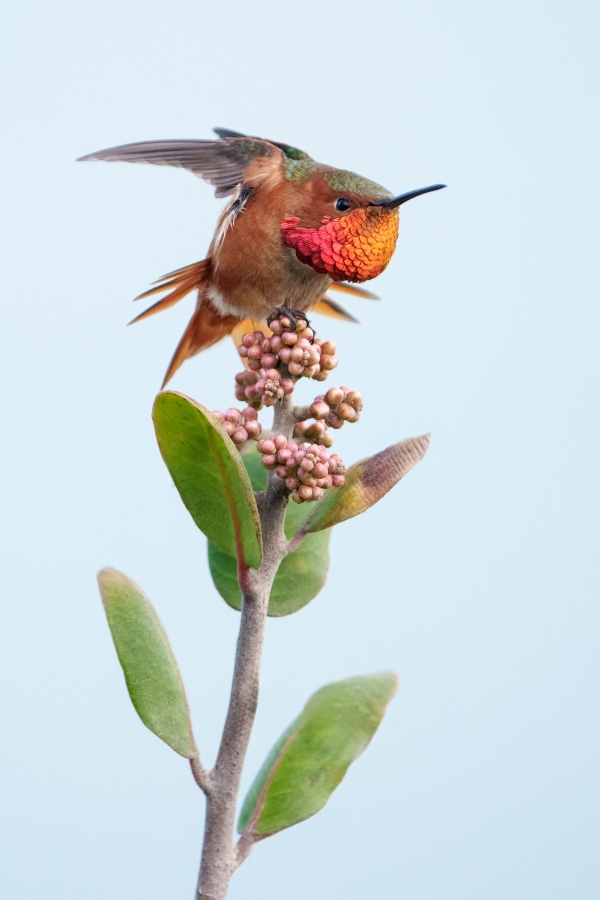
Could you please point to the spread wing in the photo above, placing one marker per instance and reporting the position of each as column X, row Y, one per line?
column 222, row 163
column 289, row 152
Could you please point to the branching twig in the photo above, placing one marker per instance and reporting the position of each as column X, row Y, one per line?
column 220, row 857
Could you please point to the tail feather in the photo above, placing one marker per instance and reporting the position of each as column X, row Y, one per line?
column 197, row 269
column 178, row 284
column 346, row 288
column 205, row 328
column 328, row 307
column 170, row 300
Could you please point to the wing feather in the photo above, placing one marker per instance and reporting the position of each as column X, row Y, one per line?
column 222, row 163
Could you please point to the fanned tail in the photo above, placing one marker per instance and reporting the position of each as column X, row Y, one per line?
column 178, row 284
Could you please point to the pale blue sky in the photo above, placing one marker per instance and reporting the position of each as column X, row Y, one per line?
column 475, row 579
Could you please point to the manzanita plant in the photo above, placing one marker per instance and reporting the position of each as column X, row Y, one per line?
column 268, row 557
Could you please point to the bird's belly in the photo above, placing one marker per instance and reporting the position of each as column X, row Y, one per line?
column 257, row 287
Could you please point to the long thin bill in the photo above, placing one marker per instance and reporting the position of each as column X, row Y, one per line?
column 402, row 198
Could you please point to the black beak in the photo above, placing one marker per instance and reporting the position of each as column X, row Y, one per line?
column 402, row 198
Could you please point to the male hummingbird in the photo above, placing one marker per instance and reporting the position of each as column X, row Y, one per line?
column 293, row 229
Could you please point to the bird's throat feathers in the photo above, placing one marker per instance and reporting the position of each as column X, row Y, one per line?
column 354, row 247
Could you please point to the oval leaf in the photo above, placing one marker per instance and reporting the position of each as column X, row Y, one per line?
column 150, row 669
column 300, row 577
column 209, row 475
column 366, row 483
column 301, row 574
column 311, row 757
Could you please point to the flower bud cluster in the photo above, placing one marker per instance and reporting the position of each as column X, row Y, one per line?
column 261, row 388
column 307, row 469
column 240, row 425
column 299, row 350
column 337, row 406
column 332, row 409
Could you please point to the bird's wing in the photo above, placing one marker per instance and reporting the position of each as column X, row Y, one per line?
column 288, row 151
column 222, row 163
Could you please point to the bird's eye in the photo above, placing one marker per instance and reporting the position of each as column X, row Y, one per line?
column 342, row 204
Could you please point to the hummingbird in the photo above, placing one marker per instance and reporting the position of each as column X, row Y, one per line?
column 292, row 230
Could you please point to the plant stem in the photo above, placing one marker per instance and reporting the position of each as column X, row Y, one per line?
column 220, row 857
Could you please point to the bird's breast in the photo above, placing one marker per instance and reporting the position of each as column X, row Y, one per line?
column 254, row 272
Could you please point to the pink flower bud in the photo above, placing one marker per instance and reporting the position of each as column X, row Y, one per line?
column 239, row 436
column 334, row 421
column 337, row 480
column 287, row 385
column 280, row 441
column 253, row 428
column 266, row 446
column 281, row 471
column 285, row 355
column 319, row 409
column 328, row 362
column 219, row 415
column 242, row 351
column 309, row 334
column 268, row 360
column 328, row 347
column 233, row 415
column 346, row 412
column 305, row 492
column 295, row 368
column 289, row 338
column 248, row 341
column 275, row 326
column 255, row 352
column 269, row 461
column 320, row 470
column 317, row 493
column 229, row 428
column 334, row 396
column 321, row 375
column 296, row 497
column 327, row 440
column 355, row 399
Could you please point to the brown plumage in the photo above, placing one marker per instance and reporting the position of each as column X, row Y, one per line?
column 293, row 230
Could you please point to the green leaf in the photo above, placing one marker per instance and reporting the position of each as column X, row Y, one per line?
column 311, row 757
column 209, row 475
column 150, row 669
column 301, row 574
column 366, row 483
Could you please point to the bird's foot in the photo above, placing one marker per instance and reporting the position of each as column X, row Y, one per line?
column 293, row 315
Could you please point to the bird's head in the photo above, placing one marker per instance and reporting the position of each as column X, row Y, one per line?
column 344, row 226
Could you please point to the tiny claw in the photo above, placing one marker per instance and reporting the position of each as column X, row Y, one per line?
column 293, row 315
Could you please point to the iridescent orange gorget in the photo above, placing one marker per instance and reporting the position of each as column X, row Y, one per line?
column 355, row 247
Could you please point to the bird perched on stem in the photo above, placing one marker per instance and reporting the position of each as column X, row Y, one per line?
column 293, row 229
